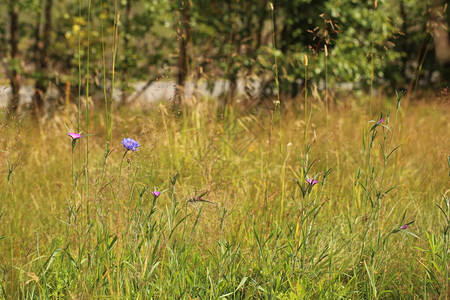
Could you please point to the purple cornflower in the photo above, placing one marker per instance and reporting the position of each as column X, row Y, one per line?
column 312, row 181
column 381, row 120
column 75, row 136
column 156, row 194
column 404, row 226
column 130, row 144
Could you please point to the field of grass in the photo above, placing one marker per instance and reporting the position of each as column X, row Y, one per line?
column 236, row 218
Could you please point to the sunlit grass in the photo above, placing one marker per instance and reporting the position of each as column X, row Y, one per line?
column 260, row 237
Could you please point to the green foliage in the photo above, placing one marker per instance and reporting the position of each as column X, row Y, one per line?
column 368, row 46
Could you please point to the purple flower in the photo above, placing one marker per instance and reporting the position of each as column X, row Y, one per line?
column 381, row 120
column 312, row 181
column 404, row 226
column 130, row 144
column 156, row 194
column 74, row 136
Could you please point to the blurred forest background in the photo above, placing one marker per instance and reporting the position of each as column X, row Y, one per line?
column 350, row 45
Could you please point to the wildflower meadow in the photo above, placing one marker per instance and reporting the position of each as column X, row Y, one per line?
column 224, row 150
column 235, row 207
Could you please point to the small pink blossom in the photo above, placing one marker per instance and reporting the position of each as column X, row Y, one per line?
column 74, row 136
column 312, row 181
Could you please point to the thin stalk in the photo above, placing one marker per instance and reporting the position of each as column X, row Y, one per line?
column 119, row 219
column 419, row 70
column 400, row 95
column 326, row 87
column 113, row 82
column 13, row 227
column 372, row 66
column 73, row 170
column 277, row 82
column 121, row 163
column 326, row 98
column 79, row 71
column 305, row 60
column 267, row 169
column 108, row 110
column 277, row 108
column 87, row 111
column 372, row 74
column 105, row 99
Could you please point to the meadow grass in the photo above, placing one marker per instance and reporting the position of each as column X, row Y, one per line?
column 259, row 230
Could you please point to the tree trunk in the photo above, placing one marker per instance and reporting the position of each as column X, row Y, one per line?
column 42, row 60
column 231, row 71
column 126, row 50
column 14, row 41
column 183, row 39
column 404, row 29
column 260, row 26
column 440, row 34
